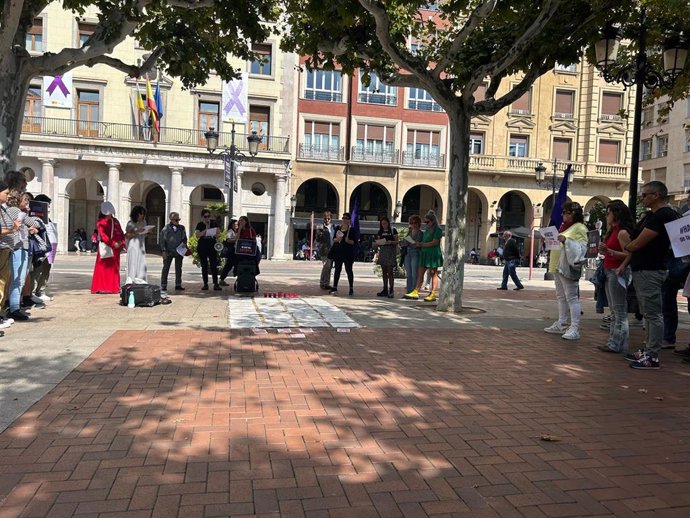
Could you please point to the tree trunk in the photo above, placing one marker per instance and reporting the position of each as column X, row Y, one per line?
column 450, row 297
column 14, row 82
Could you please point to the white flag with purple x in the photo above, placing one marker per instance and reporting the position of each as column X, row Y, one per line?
column 234, row 101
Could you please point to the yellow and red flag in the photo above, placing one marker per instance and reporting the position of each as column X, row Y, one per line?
column 140, row 101
column 153, row 110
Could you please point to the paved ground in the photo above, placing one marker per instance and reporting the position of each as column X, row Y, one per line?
column 166, row 412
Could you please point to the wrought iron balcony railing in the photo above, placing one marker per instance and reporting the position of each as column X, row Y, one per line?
column 433, row 161
column 320, row 153
column 375, row 157
column 135, row 133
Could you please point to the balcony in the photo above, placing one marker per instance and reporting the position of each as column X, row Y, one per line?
column 524, row 166
column 335, row 154
column 378, row 98
column 375, row 157
column 81, row 129
column 323, row 95
column 433, row 162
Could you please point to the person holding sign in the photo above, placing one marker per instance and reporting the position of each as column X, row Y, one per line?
column 173, row 239
column 206, row 231
column 649, row 257
column 566, row 265
column 343, row 253
column 619, row 224
column 387, row 241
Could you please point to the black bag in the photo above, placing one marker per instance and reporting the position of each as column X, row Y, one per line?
column 677, row 271
column 145, row 295
column 39, row 244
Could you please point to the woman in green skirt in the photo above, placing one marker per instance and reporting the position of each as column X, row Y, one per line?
column 431, row 257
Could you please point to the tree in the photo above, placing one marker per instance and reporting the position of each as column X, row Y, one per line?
column 461, row 45
column 189, row 38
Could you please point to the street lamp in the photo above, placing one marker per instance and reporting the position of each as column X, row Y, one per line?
column 497, row 218
column 230, row 156
column 641, row 74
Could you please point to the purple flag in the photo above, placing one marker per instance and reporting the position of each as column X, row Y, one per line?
column 556, row 212
column 354, row 221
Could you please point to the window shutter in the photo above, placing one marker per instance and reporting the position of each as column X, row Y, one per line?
column 609, row 151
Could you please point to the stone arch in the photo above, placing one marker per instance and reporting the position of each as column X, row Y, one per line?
column 317, row 195
column 85, row 196
column 596, row 199
column 547, row 204
column 201, row 196
column 419, row 199
column 374, row 201
column 477, row 205
column 514, row 206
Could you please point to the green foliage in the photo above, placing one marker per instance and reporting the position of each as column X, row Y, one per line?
column 597, row 213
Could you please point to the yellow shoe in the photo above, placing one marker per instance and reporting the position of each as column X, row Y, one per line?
column 414, row 295
column 431, row 297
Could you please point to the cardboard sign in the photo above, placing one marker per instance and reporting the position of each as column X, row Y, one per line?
column 679, row 233
column 550, row 235
column 39, row 209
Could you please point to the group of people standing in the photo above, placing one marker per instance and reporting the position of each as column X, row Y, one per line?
column 420, row 250
column 113, row 241
column 637, row 253
column 27, row 251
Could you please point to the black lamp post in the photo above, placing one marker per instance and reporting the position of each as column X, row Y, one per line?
column 641, row 74
column 230, row 156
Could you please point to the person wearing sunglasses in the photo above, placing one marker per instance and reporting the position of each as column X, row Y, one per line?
column 649, row 259
column 171, row 237
column 566, row 265
column 206, row 232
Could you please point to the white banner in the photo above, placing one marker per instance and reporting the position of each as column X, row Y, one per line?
column 679, row 233
column 550, row 235
column 57, row 90
column 235, row 105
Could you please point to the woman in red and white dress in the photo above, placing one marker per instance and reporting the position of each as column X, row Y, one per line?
column 106, row 272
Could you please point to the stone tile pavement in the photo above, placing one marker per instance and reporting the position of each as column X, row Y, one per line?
column 166, row 412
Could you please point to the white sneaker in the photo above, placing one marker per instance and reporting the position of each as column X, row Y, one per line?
column 45, row 298
column 4, row 324
column 37, row 300
column 556, row 328
column 571, row 334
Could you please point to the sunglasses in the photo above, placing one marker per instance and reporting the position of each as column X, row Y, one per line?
column 206, row 216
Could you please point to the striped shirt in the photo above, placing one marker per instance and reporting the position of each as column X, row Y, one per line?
column 11, row 240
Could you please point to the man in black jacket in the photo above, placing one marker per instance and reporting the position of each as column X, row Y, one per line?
column 511, row 258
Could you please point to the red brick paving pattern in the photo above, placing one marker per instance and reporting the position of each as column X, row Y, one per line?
column 368, row 423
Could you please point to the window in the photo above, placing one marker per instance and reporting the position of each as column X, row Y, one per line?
column 662, row 145
column 208, row 118
column 422, row 147
column 324, row 85
column 476, row 143
column 377, row 92
column 321, row 136
column 375, row 140
column 565, row 102
column 566, row 68
column 32, row 110
column 34, row 36
column 211, row 194
column 259, row 119
column 519, row 145
column 85, row 32
column 609, row 151
column 662, row 111
column 646, row 149
column 686, row 178
column 420, row 99
column 648, row 115
column 523, row 105
column 611, row 105
column 261, row 66
column 88, row 112
column 562, row 148
column 687, row 138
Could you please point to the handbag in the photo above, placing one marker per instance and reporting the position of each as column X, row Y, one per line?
column 105, row 251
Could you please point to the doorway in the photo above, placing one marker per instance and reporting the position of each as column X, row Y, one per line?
column 260, row 224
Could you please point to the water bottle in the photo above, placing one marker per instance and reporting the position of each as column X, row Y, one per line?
column 130, row 300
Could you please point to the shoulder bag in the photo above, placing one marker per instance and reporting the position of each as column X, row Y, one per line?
column 105, row 251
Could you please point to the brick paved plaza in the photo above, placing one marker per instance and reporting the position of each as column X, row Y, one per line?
column 445, row 417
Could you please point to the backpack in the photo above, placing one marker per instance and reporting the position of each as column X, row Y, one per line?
column 39, row 245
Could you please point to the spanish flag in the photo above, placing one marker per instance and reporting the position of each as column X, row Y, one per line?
column 153, row 110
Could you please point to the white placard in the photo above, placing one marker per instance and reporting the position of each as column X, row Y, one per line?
column 57, row 90
column 234, row 100
column 211, row 232
column 550, row 235
column 679, row 233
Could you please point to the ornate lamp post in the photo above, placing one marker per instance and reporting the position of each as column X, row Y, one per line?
column 641, row 74
column 231, row 155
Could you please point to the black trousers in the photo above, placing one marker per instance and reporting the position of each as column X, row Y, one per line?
column 348, row 270
column 167, row 260
column 208, row 255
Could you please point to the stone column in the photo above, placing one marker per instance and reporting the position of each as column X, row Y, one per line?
column 48, row 176
column 112, row 193
column 60, row 215
column 175, row 202
column 278, row 230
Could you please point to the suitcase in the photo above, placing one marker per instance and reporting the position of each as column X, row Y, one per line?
column 145, row 295
column 246, row 279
